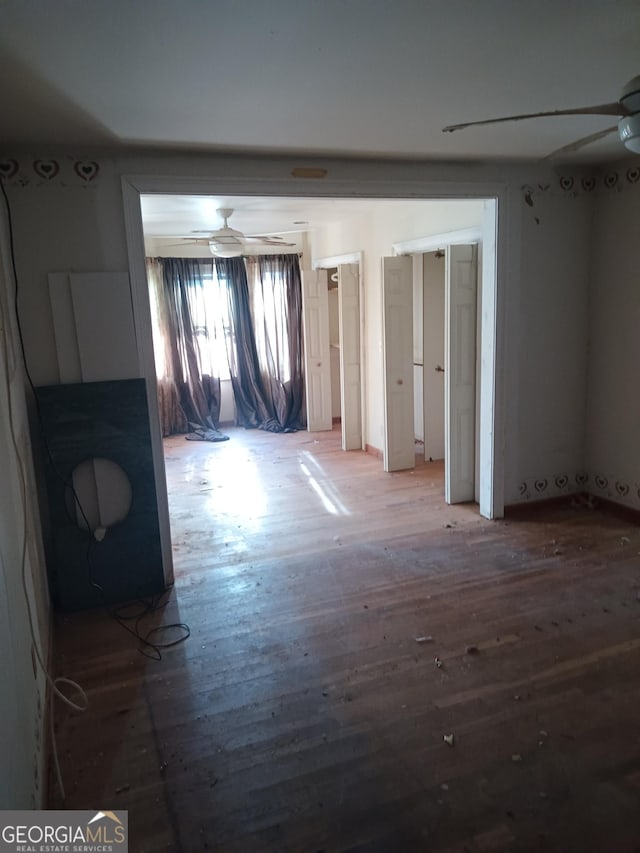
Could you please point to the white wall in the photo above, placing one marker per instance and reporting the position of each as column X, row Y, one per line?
column 613, row 412
column 227, row 403
column 546, row 343
column 375, row 235
column 22, row 695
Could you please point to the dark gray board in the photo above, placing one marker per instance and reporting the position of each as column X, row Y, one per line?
column 108, row 420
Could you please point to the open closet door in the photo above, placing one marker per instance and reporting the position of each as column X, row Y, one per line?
column 317, row 364
column 397, row 343
column 350, row 368
column 460, row 373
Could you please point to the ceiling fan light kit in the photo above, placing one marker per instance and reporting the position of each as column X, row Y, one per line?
column 225, row 251
column 629, row 131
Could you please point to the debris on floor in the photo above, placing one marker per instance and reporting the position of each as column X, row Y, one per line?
column 448, row 739
column 516, row 758
column 438, row 662
column 205, row 434
column 472, row 650
column 428, row 639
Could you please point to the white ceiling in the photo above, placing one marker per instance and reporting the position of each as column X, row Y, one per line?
column 176, row 215
column 167, row 218
column 349, row 77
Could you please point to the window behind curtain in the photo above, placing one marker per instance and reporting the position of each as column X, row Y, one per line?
column 212, row 326
column 269, row 308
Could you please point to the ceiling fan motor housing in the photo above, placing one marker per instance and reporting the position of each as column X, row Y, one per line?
column 227, row 237
column 629, row 125
column 226, row 242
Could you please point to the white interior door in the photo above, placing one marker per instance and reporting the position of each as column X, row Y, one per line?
column 397, row 344
column 350, row 368
column 433, row 328
column 460, row 372
column 317, row 363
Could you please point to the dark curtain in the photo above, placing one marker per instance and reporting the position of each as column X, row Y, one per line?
column 276, row 305
column 245, row 312
column 248, row 390
column 188, row 323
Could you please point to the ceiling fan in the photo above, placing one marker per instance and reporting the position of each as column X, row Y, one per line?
column 227, row 242
column 628, row 127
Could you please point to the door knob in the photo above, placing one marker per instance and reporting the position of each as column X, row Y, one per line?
column 400, row 381
column 439, row 369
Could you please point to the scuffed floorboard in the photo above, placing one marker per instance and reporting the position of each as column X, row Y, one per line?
column 302, row 715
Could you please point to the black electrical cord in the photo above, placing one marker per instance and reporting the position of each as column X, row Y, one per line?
column 147, row 607
column 146, row 646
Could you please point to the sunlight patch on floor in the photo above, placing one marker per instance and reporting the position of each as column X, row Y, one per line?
column 238, row 492
column 324, row 489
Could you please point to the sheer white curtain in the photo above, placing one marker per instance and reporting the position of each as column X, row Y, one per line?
column 172, row 418
column 269, row 310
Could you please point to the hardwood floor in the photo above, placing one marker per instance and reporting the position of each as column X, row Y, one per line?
column 303, row 715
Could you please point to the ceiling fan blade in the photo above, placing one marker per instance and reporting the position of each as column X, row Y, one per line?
column 268, row 241
column 581, row 143
column 184, row 241
column 615, row 109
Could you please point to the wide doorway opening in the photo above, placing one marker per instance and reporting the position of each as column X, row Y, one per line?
column 333, row 229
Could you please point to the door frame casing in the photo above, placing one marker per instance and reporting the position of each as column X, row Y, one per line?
column 494, row 192
column 327, row 263
column 491, row 263
column 458, row 297
column 419, row 248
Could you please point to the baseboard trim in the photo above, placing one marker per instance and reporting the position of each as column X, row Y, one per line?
column 626, row 513
column 374, row 451
column 512, row 510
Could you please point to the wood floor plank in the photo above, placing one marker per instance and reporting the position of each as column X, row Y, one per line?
column 303, row 715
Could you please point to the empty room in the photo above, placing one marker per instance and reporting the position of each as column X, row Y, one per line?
column 318, row 426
